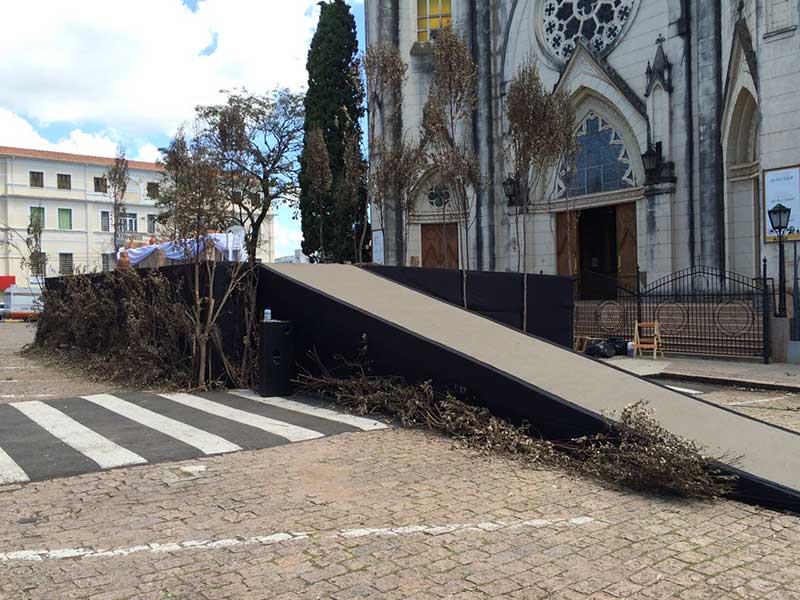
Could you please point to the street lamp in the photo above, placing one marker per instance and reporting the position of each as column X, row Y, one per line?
column 779, row 219
column 651, row 160
column 511, row 189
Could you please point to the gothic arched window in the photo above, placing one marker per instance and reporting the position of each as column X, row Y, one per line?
column 597, row 22
column 602, row 163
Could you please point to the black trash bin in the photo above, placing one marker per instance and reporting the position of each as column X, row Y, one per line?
column 277, row 359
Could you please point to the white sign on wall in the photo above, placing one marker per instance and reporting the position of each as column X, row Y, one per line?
column 377, row 247
column 782, row 186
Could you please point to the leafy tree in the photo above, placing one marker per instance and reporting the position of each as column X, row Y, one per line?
column 332, row 220
column 254, row 140
column 541, row 139
column 117, row 180
column 193, row 201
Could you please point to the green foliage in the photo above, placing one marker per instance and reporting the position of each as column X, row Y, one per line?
column 333, row 221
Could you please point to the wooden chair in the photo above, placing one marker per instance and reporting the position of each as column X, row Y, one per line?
column 648, row 337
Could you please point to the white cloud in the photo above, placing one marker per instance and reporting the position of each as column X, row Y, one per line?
column 137, row 67
column 16, row 131
column 148, row 153
column 287, row 239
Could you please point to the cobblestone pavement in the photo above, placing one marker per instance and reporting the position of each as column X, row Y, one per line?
column 778, row 407
column 392, row 514
column 22, row 378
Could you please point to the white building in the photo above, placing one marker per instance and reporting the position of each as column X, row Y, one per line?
column 711, row 86
column 68, row 192
column 297, row 258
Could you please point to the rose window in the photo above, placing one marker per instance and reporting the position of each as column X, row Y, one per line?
column 597, row 22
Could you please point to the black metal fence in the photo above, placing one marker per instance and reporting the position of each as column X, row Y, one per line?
column 701, row 311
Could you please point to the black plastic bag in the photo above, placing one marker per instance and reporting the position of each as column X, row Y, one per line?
column 600, row 349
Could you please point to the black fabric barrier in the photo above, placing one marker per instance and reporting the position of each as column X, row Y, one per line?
column 499, row 296
column 332, row 327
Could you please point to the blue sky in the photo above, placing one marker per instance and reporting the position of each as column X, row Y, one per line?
column 92, row 74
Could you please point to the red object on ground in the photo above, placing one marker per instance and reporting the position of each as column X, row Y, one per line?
column 7, row 281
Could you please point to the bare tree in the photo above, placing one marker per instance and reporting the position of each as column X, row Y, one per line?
column 541, row 139
column 255, row 141
column 395, row 164
column 117, row 181
column 194, row 201
column 446, row 130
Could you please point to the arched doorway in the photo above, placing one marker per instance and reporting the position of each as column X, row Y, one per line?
column 742, row 194
column 597, row 241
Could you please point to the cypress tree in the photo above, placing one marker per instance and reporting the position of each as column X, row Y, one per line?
column 332, row 220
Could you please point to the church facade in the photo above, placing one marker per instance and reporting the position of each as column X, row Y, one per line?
column 683, row 109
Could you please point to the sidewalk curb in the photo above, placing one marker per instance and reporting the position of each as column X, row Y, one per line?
column 726, row 381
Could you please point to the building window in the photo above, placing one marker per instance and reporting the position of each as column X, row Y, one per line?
column 128, row 222
column 36, row 179
column 37, row 216
column 779, row 16
column 105, row 220
column 602, row 163
column 151, row 223
column 65, row 264
column 432, row 15
column 38, row 264
column 152, row 190
column 597, row 22
column 108, row 262
column 65, row 218
column 64, row 181
column 101, row 185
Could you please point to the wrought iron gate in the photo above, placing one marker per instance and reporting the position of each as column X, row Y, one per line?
column 701, row 310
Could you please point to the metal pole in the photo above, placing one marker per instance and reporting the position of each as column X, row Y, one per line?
column 795, row 303
column 766, row 315
column 781, row 278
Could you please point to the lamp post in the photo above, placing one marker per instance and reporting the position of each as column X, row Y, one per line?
column 779, row 219
column 651, row 161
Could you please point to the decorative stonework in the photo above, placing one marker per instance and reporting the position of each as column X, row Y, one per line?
column 602, row 163
column 600, row 23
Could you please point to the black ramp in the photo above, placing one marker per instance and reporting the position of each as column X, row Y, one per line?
column 518, row 376
column 39, row 453
column 150, row 444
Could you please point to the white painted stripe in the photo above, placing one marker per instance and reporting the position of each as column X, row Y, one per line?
column 293, row 433
column 10, row 471
column 101, row 450
column 208, row 443
column 316, row 411
column 289, row 537
column 685, row 390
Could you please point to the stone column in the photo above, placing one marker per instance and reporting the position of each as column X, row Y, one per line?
column 655, row 223
column 711, row 207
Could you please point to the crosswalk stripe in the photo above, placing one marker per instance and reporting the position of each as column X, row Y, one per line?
column 101, row 450
column 206, row 442
column 10, row 471
column 293, row 433
column 316, row 411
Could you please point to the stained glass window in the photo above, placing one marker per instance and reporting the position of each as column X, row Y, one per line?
column 432, row 15
column 602, row 163
column 598, row 22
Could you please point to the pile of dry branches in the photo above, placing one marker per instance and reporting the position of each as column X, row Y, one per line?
column 634, row 452
column 121, row 326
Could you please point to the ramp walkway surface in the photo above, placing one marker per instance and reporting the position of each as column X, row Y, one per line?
column 765, row 454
